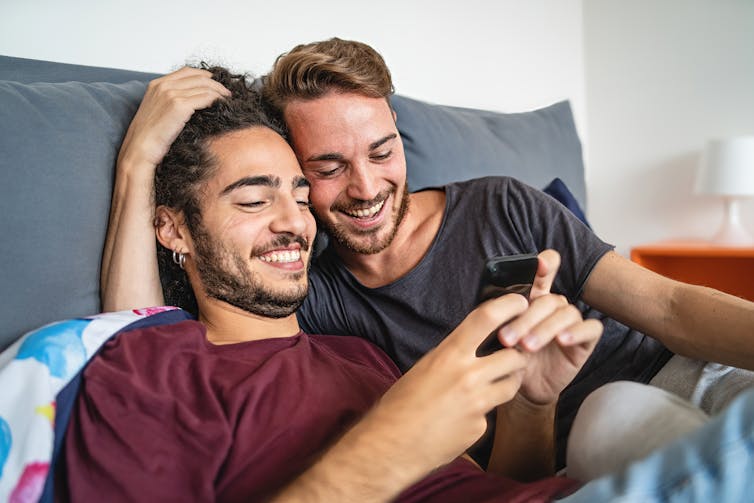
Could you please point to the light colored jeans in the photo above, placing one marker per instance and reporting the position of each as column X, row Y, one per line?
column 714, row 463
column 622, row 422
column 707, row 385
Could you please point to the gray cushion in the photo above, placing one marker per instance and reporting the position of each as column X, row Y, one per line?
column 32, row 70
column 59, row 143
column 445, row 144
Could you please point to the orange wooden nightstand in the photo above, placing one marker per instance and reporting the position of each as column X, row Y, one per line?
column 730, row 269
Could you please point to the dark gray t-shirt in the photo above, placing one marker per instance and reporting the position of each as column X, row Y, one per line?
column 483, row 218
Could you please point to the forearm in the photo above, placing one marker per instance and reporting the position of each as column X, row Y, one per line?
column 707, row 324
column 690, row 320
column 524, row 447
column 130, row 277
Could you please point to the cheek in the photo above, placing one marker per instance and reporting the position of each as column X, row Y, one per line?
column 397, row 168
column 322, row 195
column 242, row 234
column 311, row 226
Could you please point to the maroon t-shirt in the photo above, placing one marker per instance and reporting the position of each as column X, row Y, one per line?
column 165, row 415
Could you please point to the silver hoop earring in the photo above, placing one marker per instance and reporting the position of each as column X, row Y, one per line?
column 179, row 259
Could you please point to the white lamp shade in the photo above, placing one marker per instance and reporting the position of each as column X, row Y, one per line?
column 727, row 167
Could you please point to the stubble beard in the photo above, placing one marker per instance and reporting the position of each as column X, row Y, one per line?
column 356, row 242
column 225, row 276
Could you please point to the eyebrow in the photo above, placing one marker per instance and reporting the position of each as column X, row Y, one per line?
column 382, row 141
column 300, row 182
column 337, row 156
column 265, row 181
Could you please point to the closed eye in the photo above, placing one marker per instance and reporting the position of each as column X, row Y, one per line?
column 382, row 157
column 326, row 173
column 252, row 204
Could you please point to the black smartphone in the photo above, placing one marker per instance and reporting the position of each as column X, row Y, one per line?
column 502, row 275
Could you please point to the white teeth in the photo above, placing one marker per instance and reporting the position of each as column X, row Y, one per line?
column 367, row 212
column 281, row 257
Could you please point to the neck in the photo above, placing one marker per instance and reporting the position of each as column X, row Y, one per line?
column 227, row 324
column 412, row 241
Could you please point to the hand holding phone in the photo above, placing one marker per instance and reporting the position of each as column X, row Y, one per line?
column 507, row 274
column 502, row 275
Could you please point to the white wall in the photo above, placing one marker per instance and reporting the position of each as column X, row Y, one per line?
column 505, row 55
column 662, row 78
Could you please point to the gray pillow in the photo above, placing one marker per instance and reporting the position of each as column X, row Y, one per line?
column 59, row 143
column 445, row 144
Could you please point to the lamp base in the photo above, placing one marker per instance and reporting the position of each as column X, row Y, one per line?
column 732, row 233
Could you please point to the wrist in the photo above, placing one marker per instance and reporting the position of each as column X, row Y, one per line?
column 520, row 405
column 135, row 175
column 524, row 446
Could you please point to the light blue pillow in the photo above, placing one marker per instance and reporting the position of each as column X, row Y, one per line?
column 59, row 143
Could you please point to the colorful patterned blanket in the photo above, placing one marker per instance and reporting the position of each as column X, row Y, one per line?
column 38, row 373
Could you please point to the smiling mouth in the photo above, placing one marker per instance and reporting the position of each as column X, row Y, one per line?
column 281, row 257
column 365, row 212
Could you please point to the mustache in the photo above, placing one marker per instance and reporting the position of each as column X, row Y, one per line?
column 281, row 241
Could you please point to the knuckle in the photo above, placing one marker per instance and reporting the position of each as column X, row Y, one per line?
column 572, row 311
column 521, row 302
column 159, row 85
column 171, row 94
column 514, row 303
column 595, row 325
column 554, row 301
column 484, row 313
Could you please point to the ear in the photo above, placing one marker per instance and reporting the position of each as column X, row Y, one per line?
column 171, row 231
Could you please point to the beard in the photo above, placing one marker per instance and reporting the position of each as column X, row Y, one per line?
column 368, row 242
column 226, row 277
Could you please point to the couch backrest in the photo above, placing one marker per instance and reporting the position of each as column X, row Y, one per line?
column 60, row 129
column 26, row 71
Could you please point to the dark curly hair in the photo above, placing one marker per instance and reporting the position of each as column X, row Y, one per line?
column 188, row 164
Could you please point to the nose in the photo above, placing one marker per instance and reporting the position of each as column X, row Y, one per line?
column 290, row 217
column 362, row 182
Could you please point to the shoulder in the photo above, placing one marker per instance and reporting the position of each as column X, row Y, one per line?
column 147, row 350
column 493, row 185
column 491, row 193
column 158, row 337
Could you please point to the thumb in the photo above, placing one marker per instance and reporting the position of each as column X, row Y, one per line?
column 547, row 269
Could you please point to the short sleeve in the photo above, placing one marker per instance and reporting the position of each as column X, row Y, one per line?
column 543, row 223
